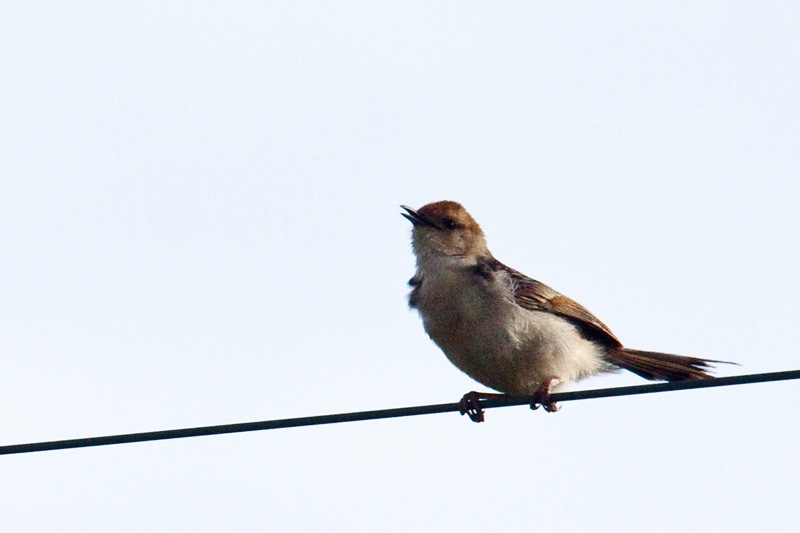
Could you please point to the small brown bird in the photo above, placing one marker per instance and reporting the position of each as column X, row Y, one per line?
column 506, row 330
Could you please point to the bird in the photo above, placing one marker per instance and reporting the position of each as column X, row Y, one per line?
column 506, row 330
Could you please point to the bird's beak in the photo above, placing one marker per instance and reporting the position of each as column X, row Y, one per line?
column 415, row 218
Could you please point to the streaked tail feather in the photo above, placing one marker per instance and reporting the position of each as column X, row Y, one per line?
column 658, row 366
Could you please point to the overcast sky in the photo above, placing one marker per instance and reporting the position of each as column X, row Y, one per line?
column 199, row 225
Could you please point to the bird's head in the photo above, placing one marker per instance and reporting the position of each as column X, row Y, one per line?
column 445, row 228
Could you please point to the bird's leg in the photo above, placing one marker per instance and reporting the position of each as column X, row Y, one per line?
column 470, row 404
column 542, row 396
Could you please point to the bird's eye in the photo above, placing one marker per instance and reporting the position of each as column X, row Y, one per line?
column 449, row 223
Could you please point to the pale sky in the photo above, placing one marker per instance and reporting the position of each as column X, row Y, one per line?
column 199, row 225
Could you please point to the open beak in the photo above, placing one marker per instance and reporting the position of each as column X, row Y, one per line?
column 415, row 218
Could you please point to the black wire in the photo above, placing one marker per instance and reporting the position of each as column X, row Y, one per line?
column 391, row 413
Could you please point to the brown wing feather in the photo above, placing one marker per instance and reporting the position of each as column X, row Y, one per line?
column 536, row 296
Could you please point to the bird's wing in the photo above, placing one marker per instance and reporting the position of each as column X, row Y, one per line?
column 536, row 296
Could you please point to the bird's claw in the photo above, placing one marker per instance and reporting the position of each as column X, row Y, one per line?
column 470, row 406
column 551, row 407
column 542, row 396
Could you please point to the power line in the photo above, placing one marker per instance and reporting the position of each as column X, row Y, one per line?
column 392, row 413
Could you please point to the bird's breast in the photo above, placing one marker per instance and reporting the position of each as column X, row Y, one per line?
column 471, row 320
column 477, row 324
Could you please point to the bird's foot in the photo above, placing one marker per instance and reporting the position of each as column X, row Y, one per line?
column 470, row 404
column 542, row 396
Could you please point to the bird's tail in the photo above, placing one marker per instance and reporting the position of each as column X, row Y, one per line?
column 661, row 366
